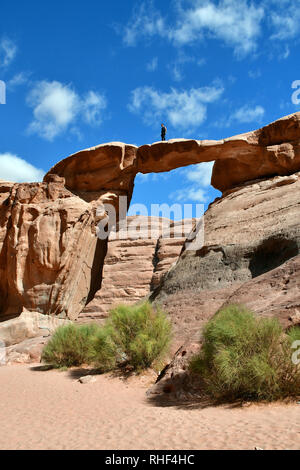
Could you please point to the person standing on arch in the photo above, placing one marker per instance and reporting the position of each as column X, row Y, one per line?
column 163, row 132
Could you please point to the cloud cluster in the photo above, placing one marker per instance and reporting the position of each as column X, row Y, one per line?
column 285, row 19
column 146, row 22
column 13, row 168
column 244, row 115
column 247, row 114
column 236, row 23
column 183, row 109
column 57, row 107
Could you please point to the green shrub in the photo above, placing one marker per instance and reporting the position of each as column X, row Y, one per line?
column 105, row 352
column 245, row 357
column 70, row 345
column 136, row 334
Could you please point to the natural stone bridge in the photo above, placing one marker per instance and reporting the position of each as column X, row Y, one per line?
column 50, row 258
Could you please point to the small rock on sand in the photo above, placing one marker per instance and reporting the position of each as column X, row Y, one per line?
column 87, row 379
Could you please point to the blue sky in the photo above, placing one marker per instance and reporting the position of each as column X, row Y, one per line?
column 79, row 74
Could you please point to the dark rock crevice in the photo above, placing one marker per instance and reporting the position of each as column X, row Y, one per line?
column 272, row 253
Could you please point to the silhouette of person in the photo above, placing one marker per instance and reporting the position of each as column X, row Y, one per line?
column 163, row 132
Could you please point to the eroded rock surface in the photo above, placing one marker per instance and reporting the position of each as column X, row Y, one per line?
column 251, row 233
column 266, row 152
column 27, row 326
column 272, row 150
column 135, row 265
column 273, row 294
column 48, row 250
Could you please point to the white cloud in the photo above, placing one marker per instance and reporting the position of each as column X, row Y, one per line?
column 8, row 51
column 200, row 174
column 57, row 107
column 286, row 53
column 245, row 114
column 18, row 80
column 184, row 109
column 248, row 114
column 236, row 23
column 152, row 65
column 190, row 194
column 13, row 168
column 177, row 73
column 146, row 21
column 198, row 179
column 285, row 19
column 92, row 105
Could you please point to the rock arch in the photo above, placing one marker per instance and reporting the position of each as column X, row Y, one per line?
column 49, row 261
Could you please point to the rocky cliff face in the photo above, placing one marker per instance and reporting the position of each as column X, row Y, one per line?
column 51, row 260
column 252, row 230
column 48, row 250
column 133, row 267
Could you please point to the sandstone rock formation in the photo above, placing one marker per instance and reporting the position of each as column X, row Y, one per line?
column 28, row 325
column 104, row 172
column 28, row 351
column 273, row 294
column 51, row 260
column 175, row 382
column 133, row 267
column 272, row 150
column 252, row 230
column 48, row 250
column 22, row 339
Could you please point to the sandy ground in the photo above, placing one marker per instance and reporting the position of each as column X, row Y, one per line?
column 52, row 410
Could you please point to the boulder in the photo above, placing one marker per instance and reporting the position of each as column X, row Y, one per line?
column 28, row 325
column 28, row 351
column 176, row 382
column 87, row 379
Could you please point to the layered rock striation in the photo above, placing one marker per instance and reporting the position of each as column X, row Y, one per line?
column 134, row 266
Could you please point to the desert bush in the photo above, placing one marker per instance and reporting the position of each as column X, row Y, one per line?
column 137, row 335
column 70, row 345
column 246, row 357
column 105, row 352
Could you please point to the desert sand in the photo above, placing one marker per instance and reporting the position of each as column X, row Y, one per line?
column 52, row 410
